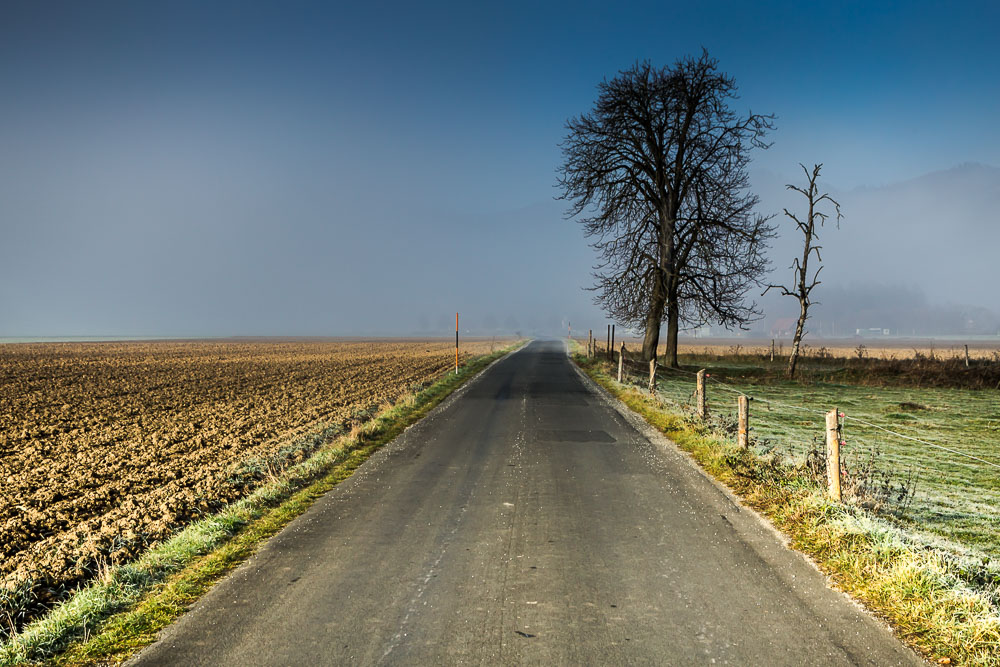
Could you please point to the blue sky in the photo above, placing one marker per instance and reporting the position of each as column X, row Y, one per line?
column 310, row 168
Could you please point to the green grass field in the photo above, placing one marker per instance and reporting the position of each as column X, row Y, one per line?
column 954, row 497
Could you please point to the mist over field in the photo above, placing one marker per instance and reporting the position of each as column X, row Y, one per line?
column 914, row 257
column 228, row 170
column 251, row 271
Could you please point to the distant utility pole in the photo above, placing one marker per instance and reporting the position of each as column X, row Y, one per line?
column 456, row 343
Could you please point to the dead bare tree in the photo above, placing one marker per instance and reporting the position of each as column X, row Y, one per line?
column 802, row 287
column 658, row 168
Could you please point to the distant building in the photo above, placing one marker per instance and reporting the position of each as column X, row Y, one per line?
column 704, row 331
column 871, row 332
column 783, row 327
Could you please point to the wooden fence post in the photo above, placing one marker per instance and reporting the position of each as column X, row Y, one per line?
column 699, row 395
column 652, row 375
column 966, row 356
column 743, row 432
column 833, row 454
column 590, row 342
column 612, row 342
column 621, row 362
column 607, row 350
column 772, row 349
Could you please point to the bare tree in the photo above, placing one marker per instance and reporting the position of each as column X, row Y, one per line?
column 802, row 287
column 658, row 170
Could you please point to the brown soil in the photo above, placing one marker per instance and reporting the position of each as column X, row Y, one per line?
column 106, row 448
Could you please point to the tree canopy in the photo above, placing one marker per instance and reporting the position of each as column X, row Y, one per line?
column 656, row 173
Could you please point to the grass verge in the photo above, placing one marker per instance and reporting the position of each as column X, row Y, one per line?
column 947, row 607
column 123, row 611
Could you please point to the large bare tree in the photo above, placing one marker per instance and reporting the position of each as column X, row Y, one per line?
column 656, row 173
column 802, row 286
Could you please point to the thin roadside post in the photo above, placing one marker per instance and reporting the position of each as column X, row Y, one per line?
column 456, row 343
column 833, row 454
column 621, row 363
column 743, row 432
column 700, row 395
column 652, row 376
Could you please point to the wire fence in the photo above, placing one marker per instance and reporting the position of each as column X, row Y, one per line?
column 946, row 453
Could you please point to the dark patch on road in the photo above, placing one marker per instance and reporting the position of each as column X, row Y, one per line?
column 573, row 435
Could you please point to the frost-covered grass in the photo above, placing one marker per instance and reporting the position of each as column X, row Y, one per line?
column 940, row 596
column 955, row 498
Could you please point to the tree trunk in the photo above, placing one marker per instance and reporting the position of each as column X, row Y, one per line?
column 673, row 324
column 652, row 338
column 663, row 296
column 799, row 328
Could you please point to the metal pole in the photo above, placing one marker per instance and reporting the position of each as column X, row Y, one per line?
column 456, row 343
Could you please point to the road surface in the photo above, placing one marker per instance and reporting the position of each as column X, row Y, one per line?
column 527, row 521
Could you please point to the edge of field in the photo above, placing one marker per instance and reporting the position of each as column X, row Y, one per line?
column 925, row 596
column 112, row 618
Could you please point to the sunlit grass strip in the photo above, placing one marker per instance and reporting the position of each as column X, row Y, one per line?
column 923, row 593
column 123, row 611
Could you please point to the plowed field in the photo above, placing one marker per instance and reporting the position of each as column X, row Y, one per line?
column 106, row 448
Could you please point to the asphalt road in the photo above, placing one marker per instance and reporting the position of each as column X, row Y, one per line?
column 526, row 521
